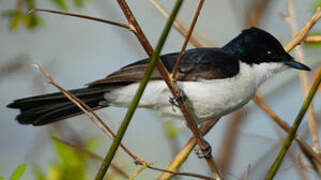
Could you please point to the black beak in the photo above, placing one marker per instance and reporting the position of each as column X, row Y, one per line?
column 297, row 65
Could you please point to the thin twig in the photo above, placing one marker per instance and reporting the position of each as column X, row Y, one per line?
column 291, row 135
column 178, row 25
column 304, row 31
column 183, row 154
column 303, row 145
column 187, row 38
column 82, row 16
column 313, row 126
column 312, row 39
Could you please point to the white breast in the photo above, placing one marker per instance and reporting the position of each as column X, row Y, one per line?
column 210, row 98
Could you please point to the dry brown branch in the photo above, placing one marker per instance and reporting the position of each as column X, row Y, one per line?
column 299, row 37
column 183, row 154
column 185, row 109
column 312, row 38
column 178, row 25
column 83, row 17
column 187, row 38
column 89, row 112
column 303, row 145
column 313, row 126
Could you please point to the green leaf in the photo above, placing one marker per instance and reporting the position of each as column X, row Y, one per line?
column 16, row 16
column 18, row 172
column 1, row 178
column 61, row 4
column 32, row 21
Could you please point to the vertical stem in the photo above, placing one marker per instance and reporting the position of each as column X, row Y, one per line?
column 109, row 157
column 291, row 136
column 313, row 126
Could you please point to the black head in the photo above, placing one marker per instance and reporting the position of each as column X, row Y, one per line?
column 255, row 46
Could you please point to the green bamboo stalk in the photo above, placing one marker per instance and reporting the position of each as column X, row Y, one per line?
column 289, row 139
column 109, row 157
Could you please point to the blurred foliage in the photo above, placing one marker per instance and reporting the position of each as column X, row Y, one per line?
column 18, row 172
column 171, row 130
column 317, row 4
column 71, row 163
column 19, row 15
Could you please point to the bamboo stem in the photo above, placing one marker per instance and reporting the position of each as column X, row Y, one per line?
column 291, row 136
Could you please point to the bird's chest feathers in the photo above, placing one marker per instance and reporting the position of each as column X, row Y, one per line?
column 213, row 98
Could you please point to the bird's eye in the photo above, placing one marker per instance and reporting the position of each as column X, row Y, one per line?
column 268, row 52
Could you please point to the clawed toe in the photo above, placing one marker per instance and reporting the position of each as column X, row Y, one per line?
column 176, row 99
column 207, row 149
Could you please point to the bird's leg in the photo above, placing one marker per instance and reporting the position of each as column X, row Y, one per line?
column 207, row 149
column 199, row 151
column 176, row 99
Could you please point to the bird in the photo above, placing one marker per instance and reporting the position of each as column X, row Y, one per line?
column 216, row 81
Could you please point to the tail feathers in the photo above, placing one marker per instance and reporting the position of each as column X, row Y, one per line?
column 45, row 109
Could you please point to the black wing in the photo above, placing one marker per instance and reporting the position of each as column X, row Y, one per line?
column 206, row 63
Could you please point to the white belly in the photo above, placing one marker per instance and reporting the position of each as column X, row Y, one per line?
column 210, row 98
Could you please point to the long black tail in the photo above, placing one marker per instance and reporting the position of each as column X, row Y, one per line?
column 48, row 108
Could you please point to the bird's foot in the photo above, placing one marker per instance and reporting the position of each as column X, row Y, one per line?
column 176, row 99
column 207, row 149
